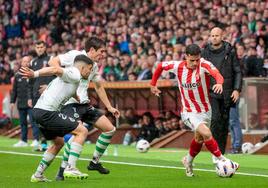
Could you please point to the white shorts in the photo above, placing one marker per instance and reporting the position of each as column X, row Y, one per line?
column 193, row 119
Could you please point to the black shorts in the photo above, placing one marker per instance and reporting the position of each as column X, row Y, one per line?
column 53, row 123
column 84, row 112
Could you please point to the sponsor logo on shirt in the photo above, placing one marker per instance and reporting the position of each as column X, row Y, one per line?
column 191, row 85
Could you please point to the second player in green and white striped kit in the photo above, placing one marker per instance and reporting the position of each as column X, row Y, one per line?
column 80, row 107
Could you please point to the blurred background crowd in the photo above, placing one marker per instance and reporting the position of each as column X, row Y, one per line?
column 139, row 33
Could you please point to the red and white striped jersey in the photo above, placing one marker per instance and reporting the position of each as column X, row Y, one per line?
column 193, row 83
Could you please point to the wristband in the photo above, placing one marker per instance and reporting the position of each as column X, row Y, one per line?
column 36, row 74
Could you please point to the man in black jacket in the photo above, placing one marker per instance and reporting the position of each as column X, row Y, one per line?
column 224, row 58
column 18, row 94
column 38, row 85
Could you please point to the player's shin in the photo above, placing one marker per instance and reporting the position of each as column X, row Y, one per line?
column 65, row 157
column 101, row 145
column 213, row 147
column 66, row 153
column 195, row 148
column 75, row 150
column 45, row 162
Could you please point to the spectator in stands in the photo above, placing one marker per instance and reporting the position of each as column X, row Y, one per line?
column 132, row 76
column 175, row 123
column 135, row 28
column 223, row 56
column 146, row 72
column 148, row 130
column 122, row 68
column 131, row 117
column 241, row 56
column 19, row 95
column 254, row 64
column 13, row 29
column 159, row 126
column 3, row 77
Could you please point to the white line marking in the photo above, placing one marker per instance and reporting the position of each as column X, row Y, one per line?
column 136, row 164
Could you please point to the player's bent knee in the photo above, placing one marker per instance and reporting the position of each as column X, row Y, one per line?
column 104, row 124
column 199, row 138
column 204, row 131
column 207, row 136
column 81, row 130
column 111, row 132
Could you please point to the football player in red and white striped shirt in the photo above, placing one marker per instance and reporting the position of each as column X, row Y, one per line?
column 193, row 81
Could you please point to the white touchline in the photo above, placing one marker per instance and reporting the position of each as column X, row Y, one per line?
column 135, row 164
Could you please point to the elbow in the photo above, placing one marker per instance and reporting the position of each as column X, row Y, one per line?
column 54, row 62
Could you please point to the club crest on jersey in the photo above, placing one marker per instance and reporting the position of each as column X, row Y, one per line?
column 191, row 85
column 76, row 115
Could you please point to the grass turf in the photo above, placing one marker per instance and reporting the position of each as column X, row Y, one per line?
column 16, row 170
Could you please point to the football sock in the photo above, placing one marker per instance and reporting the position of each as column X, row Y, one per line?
column 44, row 163
column 75, row 150
column 102, row 143
column 195, row 148
column 66, row 153
column 213, row 147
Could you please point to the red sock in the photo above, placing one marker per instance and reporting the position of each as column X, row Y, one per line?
column 195, row 148
column 213, row 147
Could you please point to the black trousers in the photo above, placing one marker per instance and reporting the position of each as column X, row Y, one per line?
column 220, row 122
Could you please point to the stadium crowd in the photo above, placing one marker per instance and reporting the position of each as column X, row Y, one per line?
column 138, row 33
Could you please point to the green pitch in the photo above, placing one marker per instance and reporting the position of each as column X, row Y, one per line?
column 155, row 169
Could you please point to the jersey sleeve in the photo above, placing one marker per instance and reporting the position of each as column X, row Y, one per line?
column 95, row 75
column 67, row 59
column 82, row 91
column 71, row 75
column 213, row 71
column 165, row 65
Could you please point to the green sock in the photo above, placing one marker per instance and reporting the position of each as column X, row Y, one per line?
column 75, row 150
column 102, row 143
column 44, row 163
column 66, row 153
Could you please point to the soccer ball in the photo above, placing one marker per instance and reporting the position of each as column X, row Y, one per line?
column 225, row 168
column 247, row 147
column 142, row 146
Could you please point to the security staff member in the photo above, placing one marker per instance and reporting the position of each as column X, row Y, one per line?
column 224, row 58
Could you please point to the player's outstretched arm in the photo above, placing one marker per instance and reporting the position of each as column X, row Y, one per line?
column 156, row 75
column 46, row 71
column 103, row 96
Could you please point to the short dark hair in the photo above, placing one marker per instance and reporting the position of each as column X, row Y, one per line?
column 38, row 42
column 193, row 49
column 94, row 42
column 84, row 59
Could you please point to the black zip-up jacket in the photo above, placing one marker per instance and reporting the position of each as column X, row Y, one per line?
column 19, row 91
column 35, row 83
column 225, row 60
